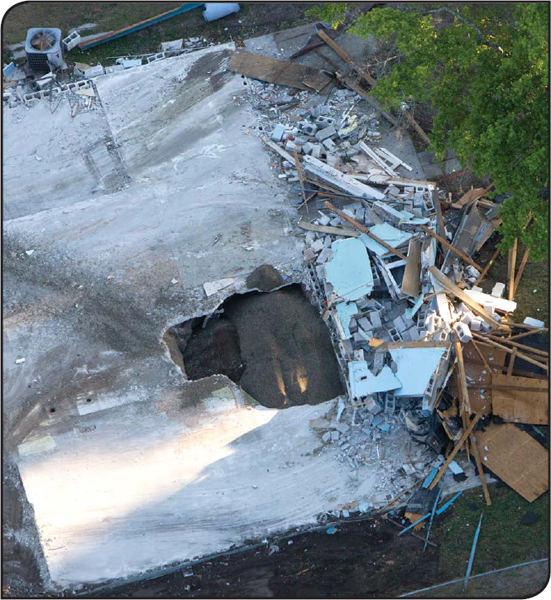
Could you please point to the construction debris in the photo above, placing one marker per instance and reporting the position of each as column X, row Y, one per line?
column 401, row 325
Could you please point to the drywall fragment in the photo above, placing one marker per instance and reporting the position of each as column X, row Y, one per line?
column 363, row 383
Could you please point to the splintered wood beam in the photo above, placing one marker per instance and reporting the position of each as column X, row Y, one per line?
column 462, row 379
column 521, row 269
column 485, row 340
column 455, row 450
column 487, row 267
column 521, row 346
column 439, row 217
column 345, row 56
column 511, row 262
column 452, row 288
column 363, row 229
column 527, row 333
column 476, row 454
column 455, row 250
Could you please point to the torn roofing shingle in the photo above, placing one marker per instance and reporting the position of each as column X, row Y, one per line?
column 349, row 270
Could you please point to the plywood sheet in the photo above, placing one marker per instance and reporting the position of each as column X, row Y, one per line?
column 477, row 373
column 516, row 458
column 283, row 72
column 521, row 406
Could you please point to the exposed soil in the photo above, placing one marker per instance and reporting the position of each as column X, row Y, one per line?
column 273, row 344
column 365, row 559
column 265, row 278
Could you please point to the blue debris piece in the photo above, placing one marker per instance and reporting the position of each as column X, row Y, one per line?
column 429, row 478
column 332, row 530
column 448, row 503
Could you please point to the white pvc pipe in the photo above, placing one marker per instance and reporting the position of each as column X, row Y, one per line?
column 217, row 10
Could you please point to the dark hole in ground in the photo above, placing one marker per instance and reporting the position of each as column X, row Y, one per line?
column 274, row 345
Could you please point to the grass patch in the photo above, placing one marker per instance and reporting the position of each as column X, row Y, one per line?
column 253, row 19
column 503, row 540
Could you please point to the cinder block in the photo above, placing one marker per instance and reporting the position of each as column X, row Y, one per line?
column 498, row 290
column 325, row 133
column 277, row 133
column 463, row 332
column 71, row 41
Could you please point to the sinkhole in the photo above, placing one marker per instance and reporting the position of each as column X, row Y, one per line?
column 273, row 344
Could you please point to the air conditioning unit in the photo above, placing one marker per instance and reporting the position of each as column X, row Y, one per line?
column 43, row 49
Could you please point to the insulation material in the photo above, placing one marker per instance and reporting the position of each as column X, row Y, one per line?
column 343, row 313
column 516, row 458
column 521, row 406
column 416, row 366
column 389, row 234
column 363, row 383
column 349, row 270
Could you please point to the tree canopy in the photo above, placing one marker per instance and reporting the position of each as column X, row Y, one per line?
column 483, row 70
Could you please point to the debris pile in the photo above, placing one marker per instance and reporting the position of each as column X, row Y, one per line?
column 391, row 268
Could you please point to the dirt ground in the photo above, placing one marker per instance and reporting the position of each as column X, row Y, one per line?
column 273, row 344
column 363, row 559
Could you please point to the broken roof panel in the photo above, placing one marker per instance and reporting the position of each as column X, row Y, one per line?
column 364, row 383
column 389, row 234
column 349, row 270
column 416, row 366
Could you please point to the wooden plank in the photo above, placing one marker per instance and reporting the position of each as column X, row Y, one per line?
column 516, row 406
column 526, row 333
column 521, row 269
column 511, row 363
column 516, row 458
column 417, row 127
column 487, row 267
column 282, row 72
column 354, row 86
column 455, row 250
column 412, row 272
column 511, row 262
column 363, row 229
column 283, row 153
column 462, row 379
column 417, row 344
column 439, row 217
column 486, row 340
column 455, row 450
column 476, row 453
column 458, row 293
column 346, row 57
column 328, row 229
column 300, row 178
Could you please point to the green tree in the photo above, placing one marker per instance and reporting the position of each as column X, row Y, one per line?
column 483, row 70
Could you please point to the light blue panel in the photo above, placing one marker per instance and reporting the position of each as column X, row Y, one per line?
column 345, row 311
column 363, row 382
column 389, row 234
column 349, row 270
column 410, row 312
column 415, row 368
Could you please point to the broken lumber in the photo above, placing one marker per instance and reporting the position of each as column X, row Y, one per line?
column 455, row 250
column 439, row 217
column 363, row 229
column 465, row 405
column 328, row 229
column 526, row 333
column 491, row 342
column 354, row 86
column 476, row 453
column 346, row 57
column 283, row 153
column 455, row 450
column 521, row 270
column 452, row 288
column 487, row 267
column 521, row 346
column 511, row 262
column 282, row 72
column 417, row 127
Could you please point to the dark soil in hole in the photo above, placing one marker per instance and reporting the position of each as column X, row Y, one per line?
column 265, row 278
column 274, row 345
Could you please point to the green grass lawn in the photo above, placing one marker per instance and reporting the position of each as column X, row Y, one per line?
column 503, row 540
